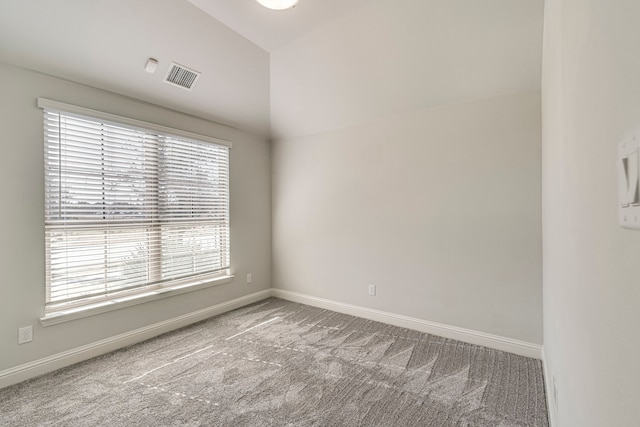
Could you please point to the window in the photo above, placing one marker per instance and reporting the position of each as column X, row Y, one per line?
column 130, row 207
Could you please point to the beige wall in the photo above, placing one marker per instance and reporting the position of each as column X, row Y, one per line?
column 440, row 208
column 591, row 100
column 22, row 216
column 387, row 58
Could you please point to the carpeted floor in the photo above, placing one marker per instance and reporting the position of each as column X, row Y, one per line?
column 277, row 363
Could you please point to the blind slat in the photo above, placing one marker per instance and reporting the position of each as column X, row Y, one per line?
column 129, row 209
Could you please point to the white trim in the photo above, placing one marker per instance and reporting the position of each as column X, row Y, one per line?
column 551, row 410
column 66, row 358
column 117, row 303
column 73, row 109
column 50, row 363
column 510, row 345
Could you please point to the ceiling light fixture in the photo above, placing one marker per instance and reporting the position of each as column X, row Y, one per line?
column 278, row 4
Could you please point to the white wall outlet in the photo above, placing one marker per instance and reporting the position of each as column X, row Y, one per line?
column 249, row 278
column 25, row 334
column 372, row 290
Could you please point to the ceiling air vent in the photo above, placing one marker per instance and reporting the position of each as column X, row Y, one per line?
column 181, row 76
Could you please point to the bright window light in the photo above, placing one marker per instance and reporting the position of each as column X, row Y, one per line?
column 129, row 209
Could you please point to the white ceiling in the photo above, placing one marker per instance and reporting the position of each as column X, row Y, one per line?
column 271, row 29
column 322, row 65
column 106, row 43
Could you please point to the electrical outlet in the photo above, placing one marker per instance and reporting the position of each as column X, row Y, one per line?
column 372, row 290
column 249, row 278
column 25, row 334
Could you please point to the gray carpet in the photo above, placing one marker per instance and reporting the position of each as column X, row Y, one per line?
column 277, row 363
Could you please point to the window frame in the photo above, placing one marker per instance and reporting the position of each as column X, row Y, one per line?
column 143, row 293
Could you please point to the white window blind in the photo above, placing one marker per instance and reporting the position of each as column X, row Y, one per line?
column 129, row 209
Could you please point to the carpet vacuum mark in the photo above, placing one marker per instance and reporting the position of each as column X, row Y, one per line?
column 277, row 363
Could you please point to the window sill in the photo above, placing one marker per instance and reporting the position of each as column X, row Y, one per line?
column 62, row 316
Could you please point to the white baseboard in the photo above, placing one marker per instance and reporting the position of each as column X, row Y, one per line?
column 466, row 335
column 67, row 358
column 548, row 388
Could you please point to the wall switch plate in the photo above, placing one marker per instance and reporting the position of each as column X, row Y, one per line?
column 25, row 334
column 249, row 278
column 372, row 290
column 629, row 181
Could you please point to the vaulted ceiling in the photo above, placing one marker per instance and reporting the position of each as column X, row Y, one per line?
column 321, row 65
column 106, row 44
column 273, row 29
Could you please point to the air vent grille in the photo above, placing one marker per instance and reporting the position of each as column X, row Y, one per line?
column 182, row 76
